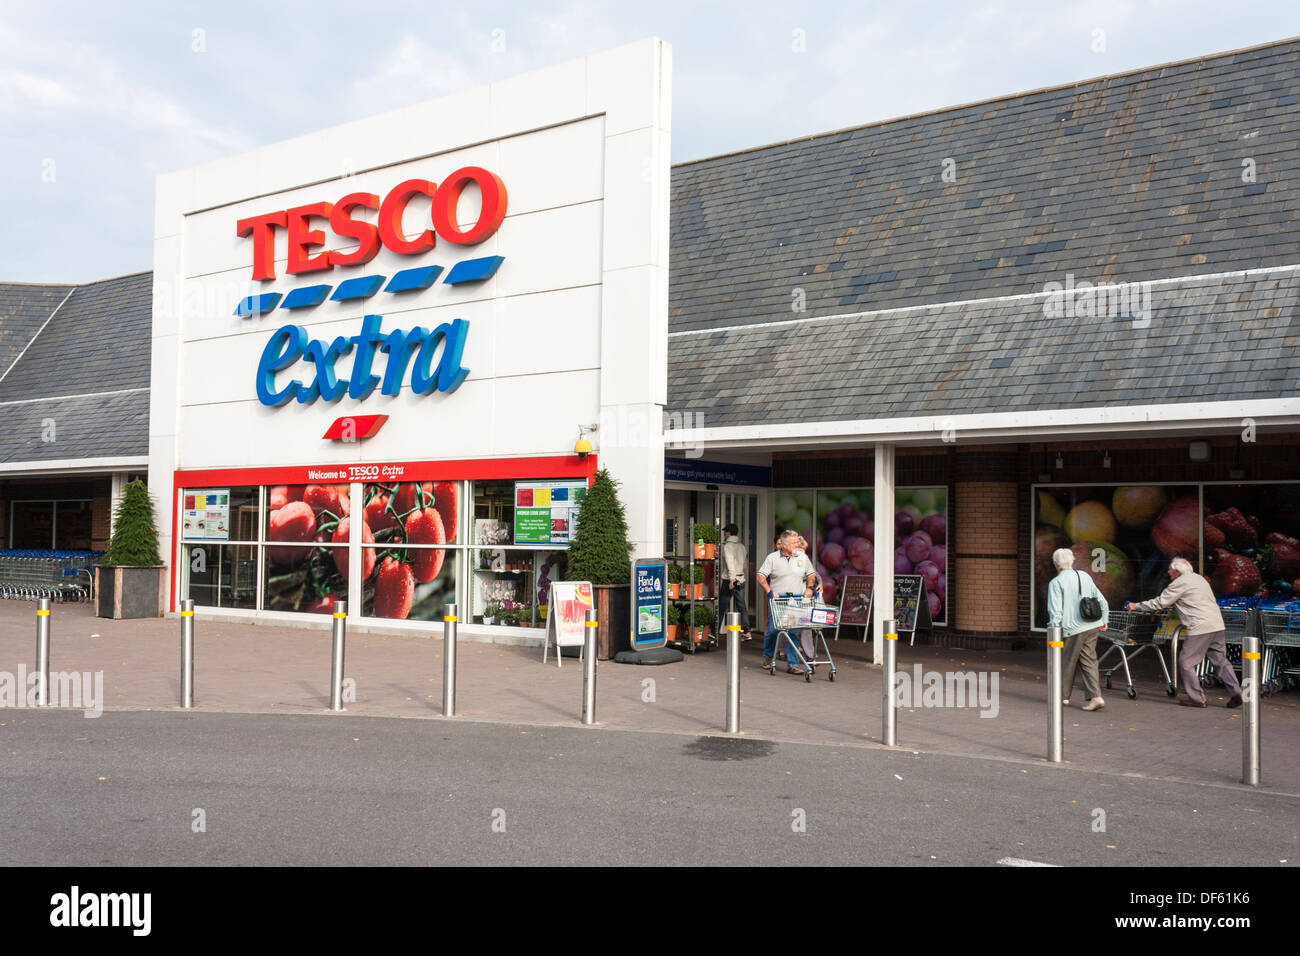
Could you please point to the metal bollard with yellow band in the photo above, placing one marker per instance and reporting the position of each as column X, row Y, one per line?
column 889, row 719
column 187, row 654
column 589, row 668
column 449, row 660
column 1055, row 728
column 733, row 672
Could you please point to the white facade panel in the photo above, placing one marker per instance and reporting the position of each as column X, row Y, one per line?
column 572, row 324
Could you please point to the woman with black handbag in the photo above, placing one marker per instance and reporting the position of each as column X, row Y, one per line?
column 1077, row 606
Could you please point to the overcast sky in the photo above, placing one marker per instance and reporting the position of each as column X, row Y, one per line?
column 98, row 98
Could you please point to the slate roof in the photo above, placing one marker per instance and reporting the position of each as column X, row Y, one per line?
column 23, row 309
column 1119, row 179
column 1123, row 178
column 1208, row 339
column 86, row 371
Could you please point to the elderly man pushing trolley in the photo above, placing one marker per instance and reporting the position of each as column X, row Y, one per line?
column 1191, row 595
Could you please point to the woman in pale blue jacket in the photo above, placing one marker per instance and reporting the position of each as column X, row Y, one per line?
column 1080, row 649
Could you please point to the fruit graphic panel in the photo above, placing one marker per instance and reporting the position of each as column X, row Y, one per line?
column 412, row 584
column 305, row 577
column 1252, row 541
column 1123, row 536
column 839, row 524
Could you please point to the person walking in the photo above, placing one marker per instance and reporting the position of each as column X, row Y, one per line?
column 735, row 567
column 785, row 571
column 1191, row 595
column 806, row 642
column 1064, row 595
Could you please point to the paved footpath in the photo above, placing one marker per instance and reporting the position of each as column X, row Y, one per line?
column 244, row 668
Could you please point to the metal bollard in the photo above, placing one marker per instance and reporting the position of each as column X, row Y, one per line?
column 449, row 661
column 1250, row 737
column 43, row 652
column 187, row 654
column 733, row 672
column 336, row 660
column 589, row 669
column 1055, row 641
column 889, row 730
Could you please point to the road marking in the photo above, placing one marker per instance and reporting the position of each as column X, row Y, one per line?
column 1016, row 861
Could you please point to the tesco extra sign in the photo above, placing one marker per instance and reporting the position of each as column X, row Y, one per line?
column 296, row 223
column 433, row 357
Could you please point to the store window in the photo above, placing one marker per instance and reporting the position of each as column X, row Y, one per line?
column 219, row 534
column 305, row 561
column 839, row 524
column 50, row 525
column 520, row 534
column 1123, row 536
column 1252, row 542
column 409, row 570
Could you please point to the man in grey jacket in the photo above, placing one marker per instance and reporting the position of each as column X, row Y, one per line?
column 1191, row 596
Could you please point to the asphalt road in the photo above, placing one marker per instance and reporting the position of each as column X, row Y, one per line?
column 123, row 790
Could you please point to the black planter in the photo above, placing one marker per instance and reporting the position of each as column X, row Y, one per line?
column 123, row 592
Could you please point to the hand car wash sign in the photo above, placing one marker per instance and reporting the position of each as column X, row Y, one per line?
column 415, row 348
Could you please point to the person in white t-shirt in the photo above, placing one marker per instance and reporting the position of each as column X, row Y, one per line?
column 786, row 571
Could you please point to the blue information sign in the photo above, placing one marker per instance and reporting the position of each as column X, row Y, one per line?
column 649, row 603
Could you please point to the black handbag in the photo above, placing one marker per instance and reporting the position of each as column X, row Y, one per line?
column 1089, row 607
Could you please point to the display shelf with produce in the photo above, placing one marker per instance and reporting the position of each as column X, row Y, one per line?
column 697, row 591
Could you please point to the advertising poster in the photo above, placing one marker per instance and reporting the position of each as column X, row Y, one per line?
column 570, row 601
column 546, row 511
column 855, row 600
column 207, row 515
column 911, row 603
column 650, row 587
column 840, row 527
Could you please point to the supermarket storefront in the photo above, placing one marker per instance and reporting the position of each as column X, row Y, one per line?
column 412, row 319
column 376, row 346
column 979, row 523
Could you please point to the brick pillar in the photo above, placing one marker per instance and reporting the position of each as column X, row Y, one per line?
column 983, row 542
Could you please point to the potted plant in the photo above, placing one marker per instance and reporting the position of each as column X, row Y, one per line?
column 702, row 618
column 674, row 581
column 705, row 537
column 600, row 552
column 698, row 577
column 491, row 611
column 129, row 581
column 674, row 620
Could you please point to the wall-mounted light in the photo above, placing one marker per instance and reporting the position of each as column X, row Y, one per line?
column 1060, row 462
column 1105, row 462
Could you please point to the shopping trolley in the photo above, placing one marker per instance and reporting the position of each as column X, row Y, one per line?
column 1280, row 629
column 31, row 574
column 1238, row 614
column 1131, row 633
column 792, row 612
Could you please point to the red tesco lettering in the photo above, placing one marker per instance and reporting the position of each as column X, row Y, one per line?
column 306, row 241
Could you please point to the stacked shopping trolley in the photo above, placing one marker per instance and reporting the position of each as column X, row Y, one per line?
column 30, row 574
column 1276, row 622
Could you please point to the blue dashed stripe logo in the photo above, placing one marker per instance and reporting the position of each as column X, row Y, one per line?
column 363, row 287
